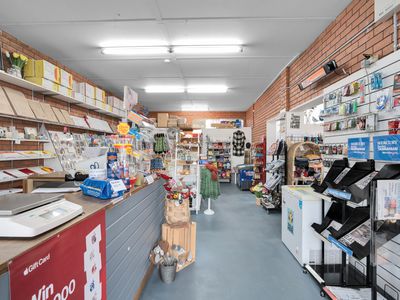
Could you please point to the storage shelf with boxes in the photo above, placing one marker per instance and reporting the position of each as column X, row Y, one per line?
column 165, row 120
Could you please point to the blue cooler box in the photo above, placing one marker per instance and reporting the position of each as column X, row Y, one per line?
column 244, row 175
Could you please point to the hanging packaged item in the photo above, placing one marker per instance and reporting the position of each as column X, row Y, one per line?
column 376, row 81
column 382, row 100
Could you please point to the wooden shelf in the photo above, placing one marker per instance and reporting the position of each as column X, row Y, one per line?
column 38, row 88
column 51, row 123
column 28, row 158
column 24, row 140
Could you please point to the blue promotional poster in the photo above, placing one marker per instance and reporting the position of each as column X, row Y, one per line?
column 387, row 147
column 358, row 148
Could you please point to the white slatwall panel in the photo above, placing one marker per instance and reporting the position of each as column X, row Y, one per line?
column 389, row 254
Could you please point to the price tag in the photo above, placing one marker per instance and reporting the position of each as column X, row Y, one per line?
column 117, row 185
column 149, row 179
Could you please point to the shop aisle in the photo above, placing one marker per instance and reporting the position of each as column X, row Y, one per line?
column 239, row 256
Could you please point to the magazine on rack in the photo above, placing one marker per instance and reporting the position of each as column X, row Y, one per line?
column 335, row 225
column 388, row 199
column 360, row 235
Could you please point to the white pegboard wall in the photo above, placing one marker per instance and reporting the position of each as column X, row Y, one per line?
column 389, row 254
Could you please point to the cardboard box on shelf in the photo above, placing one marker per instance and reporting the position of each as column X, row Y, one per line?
column 66, row 79
column 47, row 84
column 78, row 96
column 185, row 126
column 182, row 121
column 42, row 69
column 162, row 120
column 172, row 123
column 99, row 104
column 65, row 91
column 110, row 100
column 87, row 90
column 90, row 101
column 100, row 94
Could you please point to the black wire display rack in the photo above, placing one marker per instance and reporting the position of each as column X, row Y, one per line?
column 360, row 236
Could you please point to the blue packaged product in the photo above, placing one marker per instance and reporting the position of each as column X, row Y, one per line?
column 112, row 165
column 101, row 189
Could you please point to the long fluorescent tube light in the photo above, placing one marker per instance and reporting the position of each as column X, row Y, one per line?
column 210, row 49
column 204, row 89
column 164, row 89
column 151, row 50
column 194, row 107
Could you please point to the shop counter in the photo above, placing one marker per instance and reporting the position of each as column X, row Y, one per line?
column 133, row 226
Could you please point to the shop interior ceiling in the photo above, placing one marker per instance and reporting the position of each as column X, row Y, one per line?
column 272, row 34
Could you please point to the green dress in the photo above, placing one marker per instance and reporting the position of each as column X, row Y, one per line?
column 208, row 188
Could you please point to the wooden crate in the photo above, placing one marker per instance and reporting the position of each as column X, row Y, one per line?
column 182, row 235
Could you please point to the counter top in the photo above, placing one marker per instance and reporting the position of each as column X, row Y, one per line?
column 11, row 248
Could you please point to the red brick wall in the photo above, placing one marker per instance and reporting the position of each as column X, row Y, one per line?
column 10, row 43
column 193, row 115
column 378, row 40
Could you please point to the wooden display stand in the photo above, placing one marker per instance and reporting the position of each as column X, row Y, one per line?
column 30, row 183
column 182, row 235
column 299, row 150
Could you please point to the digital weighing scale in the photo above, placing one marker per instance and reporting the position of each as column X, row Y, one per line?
column 28, row 215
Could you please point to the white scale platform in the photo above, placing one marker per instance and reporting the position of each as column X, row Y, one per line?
column 28, row 215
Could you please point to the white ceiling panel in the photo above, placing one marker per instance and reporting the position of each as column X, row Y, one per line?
column 38, row 11
column 272, row 33
column 250, row 8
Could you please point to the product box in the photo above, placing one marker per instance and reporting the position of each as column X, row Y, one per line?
column 90, row 101
column 100, row 94
column 65, row 91
column 87, row 90
column 182, row 121
column 172, row 123
column 110, row 100
column 66, row 79
column 42, row 69
column 47, row 84
column 108, row 107
column 115, row 110
column 99, row 104
column 162, row 120
column 78, row 96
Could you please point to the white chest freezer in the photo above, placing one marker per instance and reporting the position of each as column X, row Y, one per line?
column 28, row 215
column 300, row 209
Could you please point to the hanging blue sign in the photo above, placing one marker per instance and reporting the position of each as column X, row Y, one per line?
column 387, row 147
column 358, row 148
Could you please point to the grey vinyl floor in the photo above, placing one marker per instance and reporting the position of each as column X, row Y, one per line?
column 240, row 256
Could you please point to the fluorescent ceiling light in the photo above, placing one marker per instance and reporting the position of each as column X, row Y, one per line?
column 165, row 89
column 133, row 43
column 207, row 49
column 136, row 50
column 194, row 107
column 206, row 42
column 203, row 89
